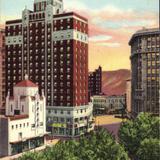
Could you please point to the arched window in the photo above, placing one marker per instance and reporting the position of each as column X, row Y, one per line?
column 22, row 108
column 11, row 108
column 57, row 11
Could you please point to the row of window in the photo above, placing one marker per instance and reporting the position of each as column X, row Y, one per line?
column 20, row 125
column 24, row 125
column 42, row 15
column 66, row 112
column 66, row 120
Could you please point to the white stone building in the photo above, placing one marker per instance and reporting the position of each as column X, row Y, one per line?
column 108, row 104
column 24, row 125
column 99, row 104
column 70, row 121
column 128, row 96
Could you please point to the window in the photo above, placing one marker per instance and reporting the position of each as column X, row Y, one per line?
column 68, row 48
column 68, row 112
column 22, row 108
column 68, row 41
column 61, row 49
column 68, row 98
column 61, row 97
column 20, row 135
column 68, row 104
column 68, row 20
column 62, row 120
column 11, row 108
column 33, row 125
column 68, row 27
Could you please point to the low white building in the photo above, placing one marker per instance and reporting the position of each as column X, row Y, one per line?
column 99, row 104
column 108, row 104
column 70, row 121
column 116, row 102
column 24, row 125
column 128, row 96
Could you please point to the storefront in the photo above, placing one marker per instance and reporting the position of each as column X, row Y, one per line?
column 25, row 145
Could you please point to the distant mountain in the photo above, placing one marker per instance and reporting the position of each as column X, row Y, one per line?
column 114, row 82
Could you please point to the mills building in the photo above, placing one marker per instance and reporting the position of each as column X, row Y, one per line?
column 145, row 65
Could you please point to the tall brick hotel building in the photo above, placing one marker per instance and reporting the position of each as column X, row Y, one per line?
column 2, row 69
column 51, row 47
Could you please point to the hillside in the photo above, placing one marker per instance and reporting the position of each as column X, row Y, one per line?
column 114, row 82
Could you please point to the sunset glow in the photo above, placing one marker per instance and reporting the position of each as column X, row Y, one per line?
column 111, row 24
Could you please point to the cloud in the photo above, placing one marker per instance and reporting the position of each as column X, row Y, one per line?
column 75, row 5
column 4, row 18
column 109, row 44
column 100, row 38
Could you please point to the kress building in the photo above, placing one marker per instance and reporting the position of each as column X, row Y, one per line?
column 51, row 46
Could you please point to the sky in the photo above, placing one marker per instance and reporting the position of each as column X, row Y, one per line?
column 111, row 25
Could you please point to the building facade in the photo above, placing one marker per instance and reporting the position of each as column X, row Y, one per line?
column 108, row 104
column 99, row 104
column 145, row 65
column 51, row 46
column 116, row 103
column 2, row 68
column 128, row 96
column 24, row 125
column 95, row 82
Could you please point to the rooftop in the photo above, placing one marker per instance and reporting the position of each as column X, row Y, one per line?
column 144, row 31
column 26, row 83
column 17, row 117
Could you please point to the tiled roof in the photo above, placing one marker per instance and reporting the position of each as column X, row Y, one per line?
column 17, row 117
column 26, row 83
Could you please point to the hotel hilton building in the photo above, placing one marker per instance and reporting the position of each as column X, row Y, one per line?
column 145, row 63
column 51, row 47
column 2, row 70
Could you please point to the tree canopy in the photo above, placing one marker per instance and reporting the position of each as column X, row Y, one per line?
column 133, row 135
column 99, row 145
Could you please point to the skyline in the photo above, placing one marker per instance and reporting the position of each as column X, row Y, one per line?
column 109, row 34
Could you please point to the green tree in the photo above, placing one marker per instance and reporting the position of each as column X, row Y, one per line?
column 133, row 132
column 149, row 149
column 31, row 156
column 98, row 145
column 101, row 146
